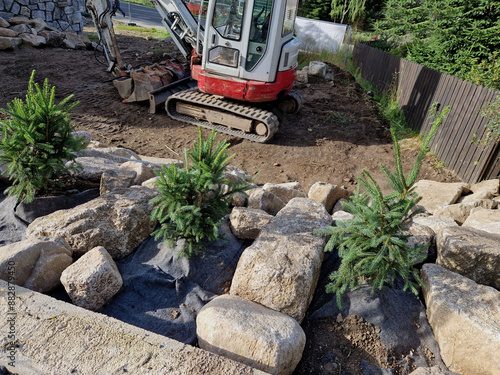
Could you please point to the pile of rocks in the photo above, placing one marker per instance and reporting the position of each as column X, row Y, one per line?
column 62, row 15
column 36, row 33
column 461, row 289
column 258, row 322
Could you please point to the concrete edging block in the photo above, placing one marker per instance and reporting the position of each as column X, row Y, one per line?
column 55, row 337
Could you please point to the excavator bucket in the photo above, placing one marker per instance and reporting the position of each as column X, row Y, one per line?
column 135, row 84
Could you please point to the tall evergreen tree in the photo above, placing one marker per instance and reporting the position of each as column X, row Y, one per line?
column 451, row 36
column 316, row 9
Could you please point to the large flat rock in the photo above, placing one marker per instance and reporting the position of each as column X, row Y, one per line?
column 56, row 338
column 484, row 219
column 438, row 194
column 465, row 319
column 36, row 264
column 470, row 252
column 281, row 268
column 119, row 221
column 251, row 334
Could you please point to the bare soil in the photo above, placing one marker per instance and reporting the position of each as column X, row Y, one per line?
column 336, row 135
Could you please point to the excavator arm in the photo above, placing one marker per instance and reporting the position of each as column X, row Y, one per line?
column 100, row 11
column 185, row 29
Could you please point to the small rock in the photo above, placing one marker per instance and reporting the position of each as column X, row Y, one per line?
column 92, row 280
column 302, row 75
column 317, row 68
column 341, row 216
column 19, row 20
column 436, row 223
column 5, row 43
column 264, row 200
column 4, row 23
column 285, row 192
column 327, row 194
column 338, row 205
column 143, row 171
column 116, row 179
column 53, row 38
column 151, row 183
column 246, row 223
column 482, row 190
column 7, row 33
column 21, row 29
column 33, row 40
column 329, row 74
column 38, row 24
column 461, row 211
column 239, row 199
column 78, row 41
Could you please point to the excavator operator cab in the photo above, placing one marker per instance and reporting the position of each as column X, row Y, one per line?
column 250, row 39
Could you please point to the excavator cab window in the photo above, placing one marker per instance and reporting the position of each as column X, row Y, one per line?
column 290, row 14
column 228, row 18
column 261, row 17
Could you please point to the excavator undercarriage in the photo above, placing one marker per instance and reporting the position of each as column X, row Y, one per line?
column 168, row 85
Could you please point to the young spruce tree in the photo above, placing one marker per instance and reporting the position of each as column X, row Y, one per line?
column 194, row 199
column 373, row 245
column 37, row 140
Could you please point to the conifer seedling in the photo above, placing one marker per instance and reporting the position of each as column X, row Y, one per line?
column 373, row 246
column 194, row 199
column 37, row 140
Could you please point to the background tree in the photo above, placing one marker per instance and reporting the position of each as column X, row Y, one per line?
column 315, row 9
column 348, row 11
column 451, row 36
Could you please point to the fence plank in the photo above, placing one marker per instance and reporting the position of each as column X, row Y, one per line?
column 479, row 154
column 453, row 119
column 448, row 89
column 493, row 168
column 466, row 122
column 466, row 159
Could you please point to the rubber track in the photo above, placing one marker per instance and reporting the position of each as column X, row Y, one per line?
column 197, row 97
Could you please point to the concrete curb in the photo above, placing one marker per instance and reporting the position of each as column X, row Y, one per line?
column 55, row 337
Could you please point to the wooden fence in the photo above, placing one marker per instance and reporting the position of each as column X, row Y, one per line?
column 418, row 88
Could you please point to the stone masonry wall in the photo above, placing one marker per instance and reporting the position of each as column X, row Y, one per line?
column 63, row 15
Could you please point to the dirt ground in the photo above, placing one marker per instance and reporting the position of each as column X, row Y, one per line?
column 337, row 133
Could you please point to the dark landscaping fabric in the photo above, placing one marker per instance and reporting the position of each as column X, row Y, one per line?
column 15, row 218
column 163, row 295
column 160, row 293
column 399, row 314
column 11, row 227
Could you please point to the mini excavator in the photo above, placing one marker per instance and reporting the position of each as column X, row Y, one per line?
column 240, row 54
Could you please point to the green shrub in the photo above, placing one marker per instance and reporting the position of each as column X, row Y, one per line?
column 194, row 199
column 491, row 111
column 373, row 245
column 486, row 72
column 37, row 140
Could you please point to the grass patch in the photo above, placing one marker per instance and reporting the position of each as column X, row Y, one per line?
column 141, row 31
column 333, row 57
column 142, row 2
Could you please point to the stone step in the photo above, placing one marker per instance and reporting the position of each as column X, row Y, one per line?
column 54, row 337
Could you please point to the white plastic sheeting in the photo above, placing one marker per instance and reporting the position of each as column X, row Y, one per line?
column 316, row 35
